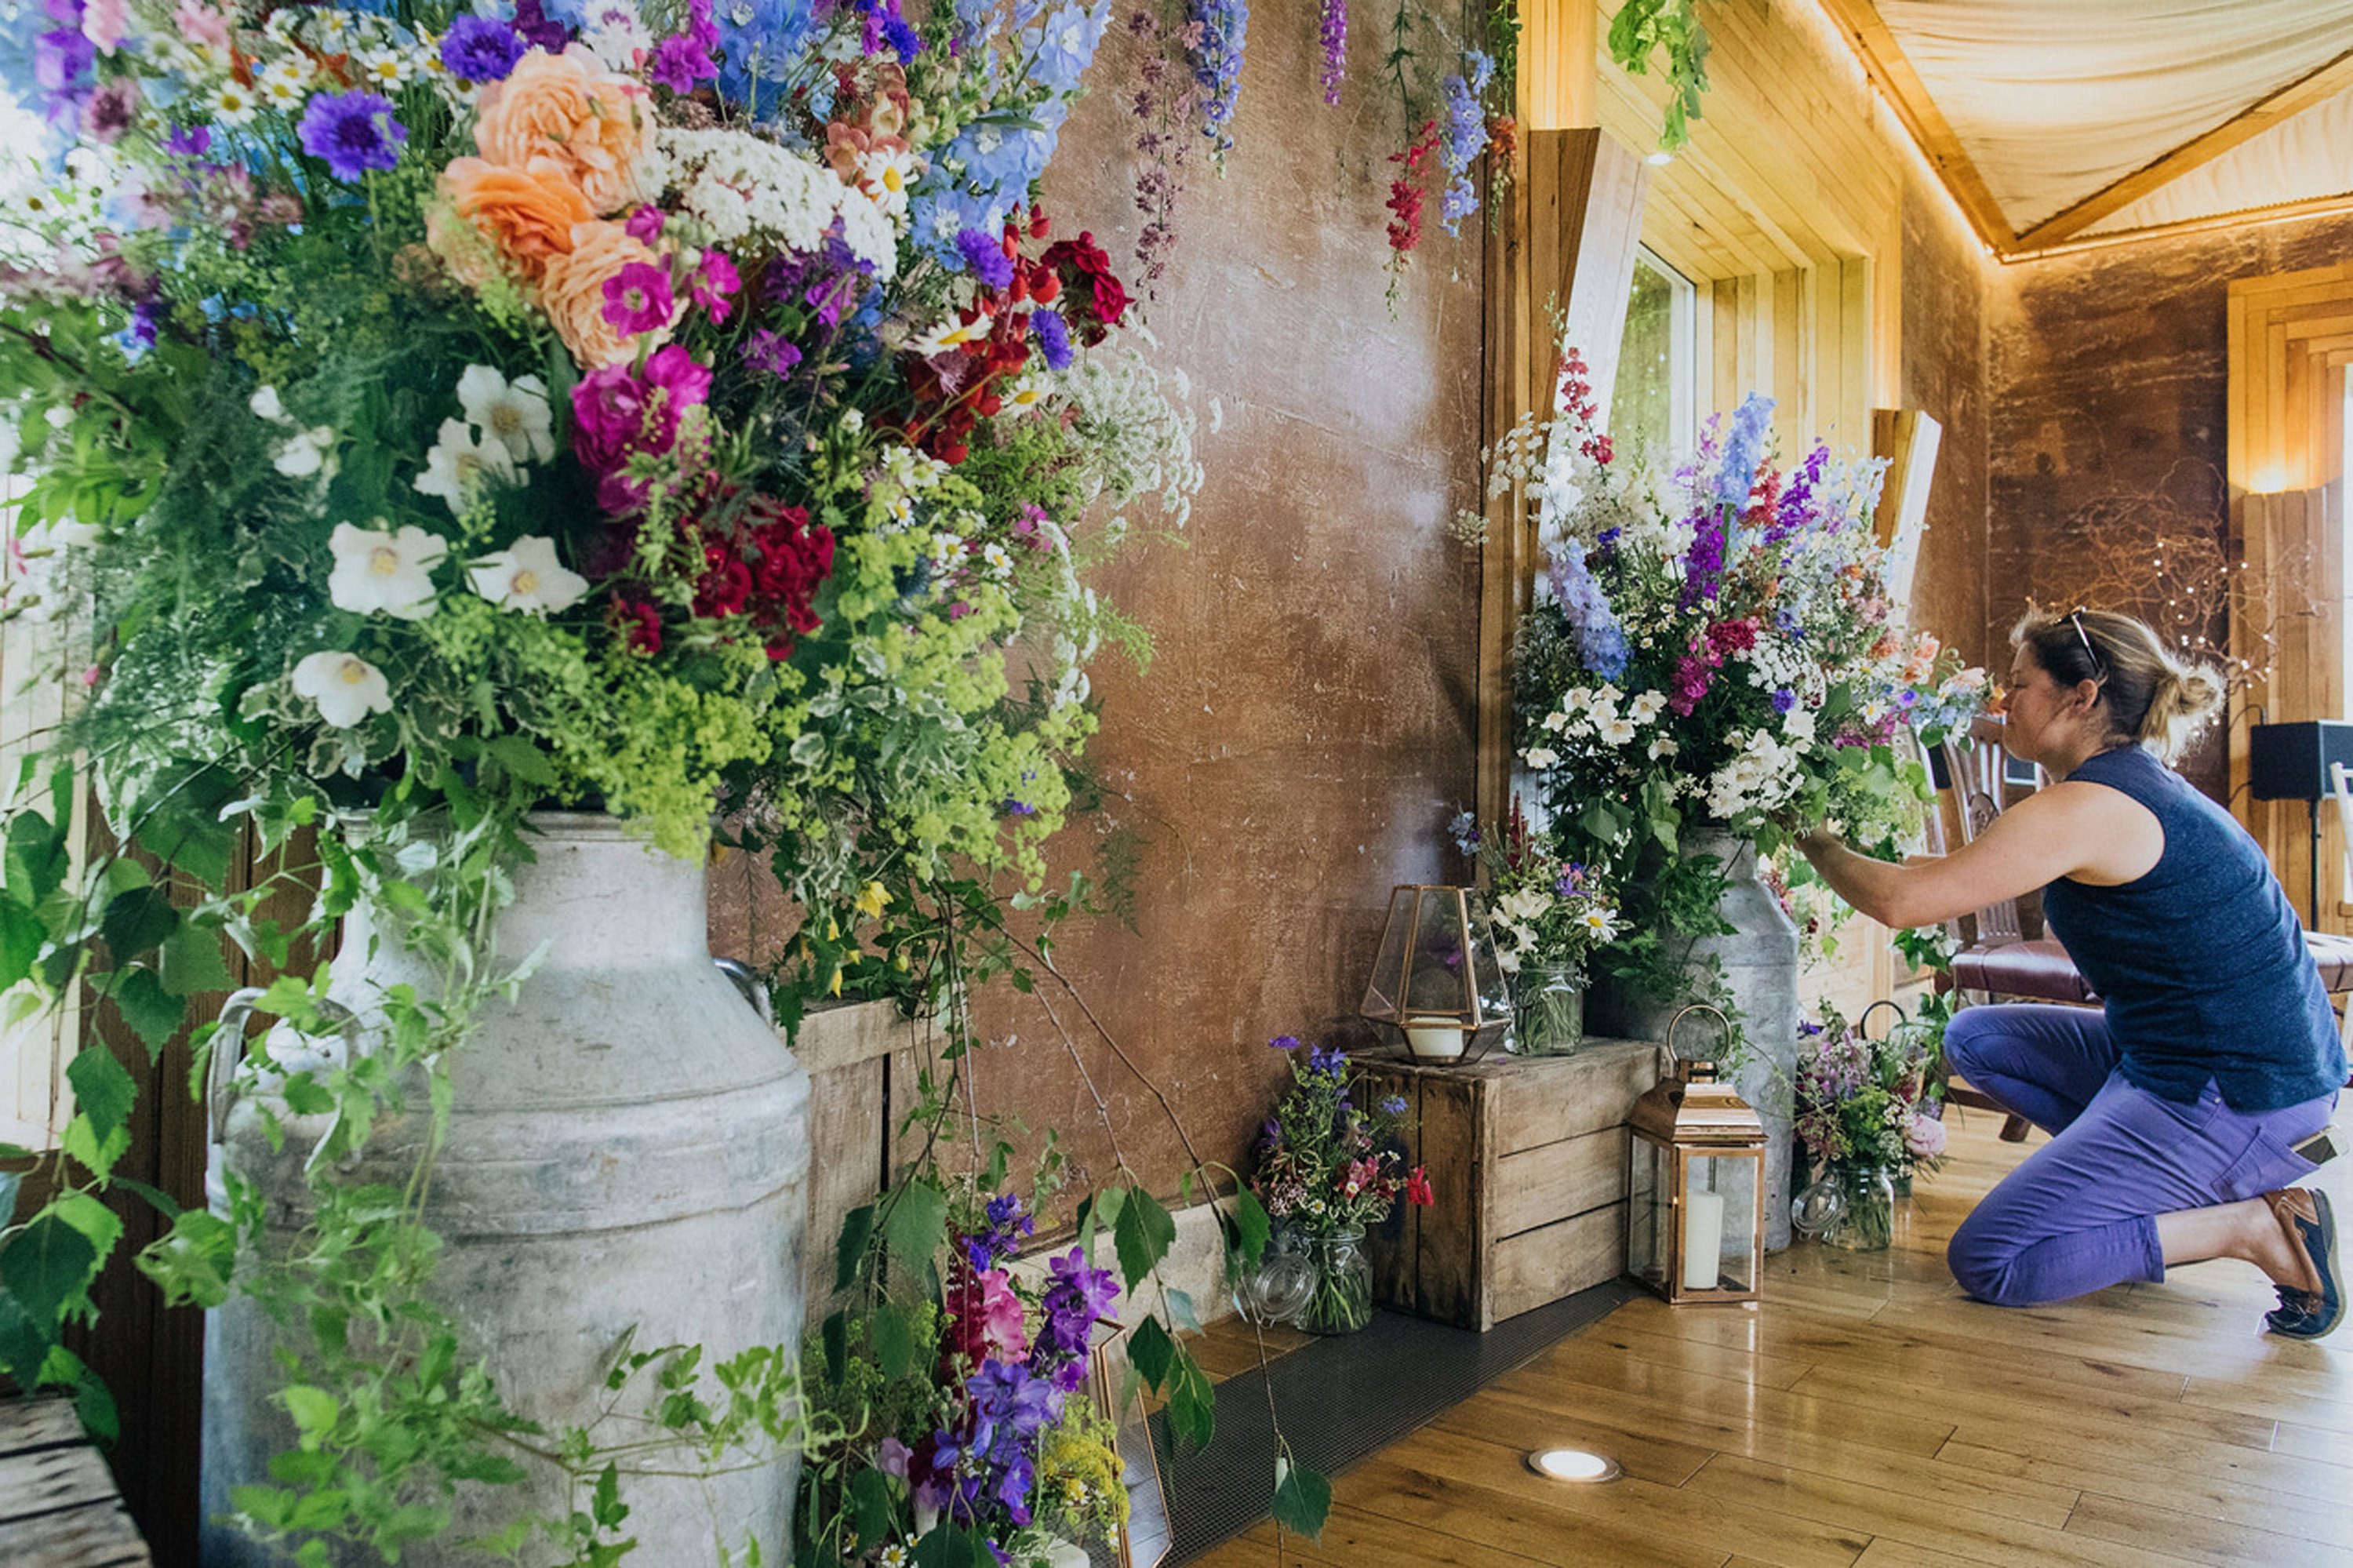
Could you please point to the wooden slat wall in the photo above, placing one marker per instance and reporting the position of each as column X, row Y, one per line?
column 2290, row 339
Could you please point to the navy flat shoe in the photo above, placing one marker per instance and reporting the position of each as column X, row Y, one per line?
column 2306, row 1215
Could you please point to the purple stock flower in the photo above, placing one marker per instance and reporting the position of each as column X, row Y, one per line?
column 985, row 254
column 1335, row 28
column 684, row 60
column 480, row 48
column 352, row 132
column 766, row 350
column 1053, row 337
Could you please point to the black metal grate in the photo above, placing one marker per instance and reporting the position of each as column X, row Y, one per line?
column 1343, row 1398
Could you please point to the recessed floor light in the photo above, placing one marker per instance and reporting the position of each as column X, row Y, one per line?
column 1578, row 1464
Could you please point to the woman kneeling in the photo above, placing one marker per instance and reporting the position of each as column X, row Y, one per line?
column 2174, row 1110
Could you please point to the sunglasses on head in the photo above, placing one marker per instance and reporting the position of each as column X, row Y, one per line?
column 2075, row 620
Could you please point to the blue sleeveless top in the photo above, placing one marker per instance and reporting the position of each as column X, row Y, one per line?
column 2200, row 964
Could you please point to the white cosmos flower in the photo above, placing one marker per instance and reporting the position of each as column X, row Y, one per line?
column 388, row 572
column 457, row 462
column 1618, row 731
column 1647, row 707
column 1540, row 758
column 513, row 413
column 304, row 452
column 526, row 576
column 346, row 687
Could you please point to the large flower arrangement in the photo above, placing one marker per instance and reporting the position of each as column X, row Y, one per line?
column 1549, row 910
column 1714, row 646
column 440, row 413
column 1867, row 1114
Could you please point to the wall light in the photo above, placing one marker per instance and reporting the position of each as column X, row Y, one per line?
column 1661, row 158
column 1580, row 1466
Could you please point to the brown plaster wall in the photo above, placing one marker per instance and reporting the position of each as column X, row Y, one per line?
column 2107, row 443
column 1943, row 274
column 1306, row 727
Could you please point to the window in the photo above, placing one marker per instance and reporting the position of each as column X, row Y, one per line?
column 1654, row 410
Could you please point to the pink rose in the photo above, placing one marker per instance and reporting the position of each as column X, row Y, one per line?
column 1925, row 1137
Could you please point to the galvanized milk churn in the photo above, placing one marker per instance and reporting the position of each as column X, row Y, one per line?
column 627, row 1150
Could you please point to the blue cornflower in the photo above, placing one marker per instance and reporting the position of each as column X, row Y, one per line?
column 1784, row 700
column 1393, row 1105
column 1331, row 1061
column 1053, row 336
column 480, row 48
column 352, row 132
column 985, row 254
column 1284, row 1042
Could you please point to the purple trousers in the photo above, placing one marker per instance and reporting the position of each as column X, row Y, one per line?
column 2080, row 1214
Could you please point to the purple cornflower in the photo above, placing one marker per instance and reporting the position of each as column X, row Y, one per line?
column 532, row 22
column 352, row 132
column 1784, row 700
column 1335, row 49
column 480, row 48
column 1466, row 138
column 1053, row 336
column 766, row 350
column 1218, row 67
column 1284, row 1042
column 985, row 254
column 1332, row 1062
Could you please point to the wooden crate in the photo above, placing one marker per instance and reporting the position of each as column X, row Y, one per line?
column 57, row 1503
column 1527, row 1161
column 863, row 1064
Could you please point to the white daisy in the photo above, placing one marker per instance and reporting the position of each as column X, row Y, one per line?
column 527, row 576
column 386, row 71
column 379, row 571
column 234, row 104
column 346, row 687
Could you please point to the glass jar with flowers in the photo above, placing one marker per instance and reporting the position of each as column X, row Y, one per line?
column 1551, row 913
column 1866, row 1113
column 1327, row 1169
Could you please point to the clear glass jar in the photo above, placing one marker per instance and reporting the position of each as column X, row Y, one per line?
column 1278, row 1290
column 1551, row 1009
column 1343, row 1298
column 1866, row 1221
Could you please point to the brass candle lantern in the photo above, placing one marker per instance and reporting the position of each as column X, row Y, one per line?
column 1695, row 1186
column 1437, row 981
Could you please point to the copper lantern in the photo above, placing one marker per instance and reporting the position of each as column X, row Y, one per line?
column 1695, row 1190
column 1438, row 981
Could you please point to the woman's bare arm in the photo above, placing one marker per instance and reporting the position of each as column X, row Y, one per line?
column 2067, row 829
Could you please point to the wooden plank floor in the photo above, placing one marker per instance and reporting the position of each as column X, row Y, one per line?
column 1866, row 1414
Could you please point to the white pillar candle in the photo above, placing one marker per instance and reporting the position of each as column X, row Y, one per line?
column 1439, row 1038
column 1702, row 1239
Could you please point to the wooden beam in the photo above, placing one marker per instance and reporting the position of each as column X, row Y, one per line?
column 1908, row 439
column 1559, row 74
column 1876, row 47
column 2294, row 99
column 2278, row 212
column 1566, row 248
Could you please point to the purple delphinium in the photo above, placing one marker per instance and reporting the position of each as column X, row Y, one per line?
column 1600, row 638
column 1069, row 1310
column 1009, row 1220
column 1466, row 138
column 352, row 132
column 482, row 48
column 684, row 60
column 1335, row 49
column 765, row 349
column 1332, row 1062
column 1218, row 67
column 1053, row 336
column 985, row 254
column 64, row 60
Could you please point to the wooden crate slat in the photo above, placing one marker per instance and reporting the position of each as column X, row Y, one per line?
column 47, row 1479
column 90, row 1537
column 1540, row 1186
column 1540, row 1266
column 34, row 1423
column 1559, row 1098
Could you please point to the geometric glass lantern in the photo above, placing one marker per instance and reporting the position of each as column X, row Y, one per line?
column 1437, row 980
column 1695, row 1190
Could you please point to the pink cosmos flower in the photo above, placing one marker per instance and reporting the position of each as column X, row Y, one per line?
column 202, row 24
column 103, row 22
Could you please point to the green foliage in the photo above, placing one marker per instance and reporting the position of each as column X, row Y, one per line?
column 1642, row 27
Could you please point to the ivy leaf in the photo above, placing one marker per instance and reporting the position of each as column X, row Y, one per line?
column 917, row 1223
column 1303, row 1499
column 1143, row 1233
column 136, row 921
column 102, row 1090
column 153, row 1013
column 46, row 1265
column 1252, row 1227
column 850, row 1247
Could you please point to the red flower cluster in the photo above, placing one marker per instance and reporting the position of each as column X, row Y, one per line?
column 1096, row 300
column 955, row 389
column 1504, row 141
column 1416, row 1188
column 1405, row 195
column 1576, row 401
column 764, row 560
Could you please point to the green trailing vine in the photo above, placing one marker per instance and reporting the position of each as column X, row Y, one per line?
column 1643, row 29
